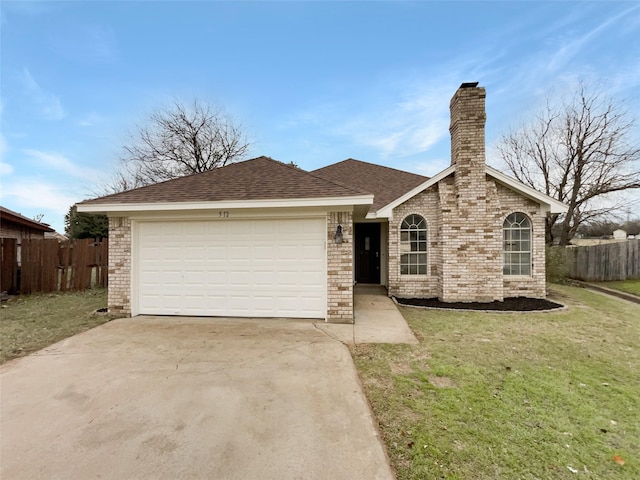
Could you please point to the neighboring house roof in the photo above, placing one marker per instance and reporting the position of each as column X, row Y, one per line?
column 9, row 216
column 241, row 184
column 57, row 236
column 386, row 184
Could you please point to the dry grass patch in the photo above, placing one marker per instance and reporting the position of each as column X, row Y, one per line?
column 530, row 396
column 31, row 322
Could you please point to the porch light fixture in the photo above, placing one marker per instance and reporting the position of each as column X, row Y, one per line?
column 338, row 236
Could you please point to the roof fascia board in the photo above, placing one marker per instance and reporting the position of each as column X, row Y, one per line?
column 553, row 205
column 7, row 217
column 231, row 204
column 386, row 211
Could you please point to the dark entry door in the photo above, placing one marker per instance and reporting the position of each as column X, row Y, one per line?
column 367, row 252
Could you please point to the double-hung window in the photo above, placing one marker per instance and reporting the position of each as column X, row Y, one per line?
column 413, row 245
column 516, row 245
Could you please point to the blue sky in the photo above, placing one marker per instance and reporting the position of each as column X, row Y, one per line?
column 311, row 82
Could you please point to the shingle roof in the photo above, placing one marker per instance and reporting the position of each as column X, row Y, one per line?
column 7, row 215
column 259, row 179
column 385, row 183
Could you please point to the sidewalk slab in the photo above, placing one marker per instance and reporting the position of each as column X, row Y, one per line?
column 377, row 320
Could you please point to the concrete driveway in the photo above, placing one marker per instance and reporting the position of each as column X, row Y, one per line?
column 159, row 397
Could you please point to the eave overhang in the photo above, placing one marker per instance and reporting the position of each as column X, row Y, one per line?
column 125, row 208
column 547, row 203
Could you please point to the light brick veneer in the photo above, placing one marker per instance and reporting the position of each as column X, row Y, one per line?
column 426, row 205
column 465, row 213
column 340, row 269
column 535, row 284
column 119, row 301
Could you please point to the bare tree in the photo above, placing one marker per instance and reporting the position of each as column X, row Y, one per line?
column 579, row 152
column 177, row 141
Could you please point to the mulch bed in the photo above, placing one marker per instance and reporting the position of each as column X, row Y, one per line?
column 515, row 304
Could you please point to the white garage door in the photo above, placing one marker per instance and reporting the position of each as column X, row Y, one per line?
column 240, row 268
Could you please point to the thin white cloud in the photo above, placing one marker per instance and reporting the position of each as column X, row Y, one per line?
column 90, row 120
column 431, row 167
column 87, row 42
column 34, row 193
column 63, row 164
column 4, row 147
column 409, row 126
column 569, row 50
column 48, row 104
column 5, row 169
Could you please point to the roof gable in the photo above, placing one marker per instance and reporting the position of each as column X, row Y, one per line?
column 259, row 179
column 548, row 203
column 385, row 183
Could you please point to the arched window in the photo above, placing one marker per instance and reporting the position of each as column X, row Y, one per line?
column 413, row 246
column 516, row 245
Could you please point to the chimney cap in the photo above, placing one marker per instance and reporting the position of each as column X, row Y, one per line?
column 469, row 85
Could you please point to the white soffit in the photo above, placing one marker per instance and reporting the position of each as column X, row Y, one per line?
column 223, row 205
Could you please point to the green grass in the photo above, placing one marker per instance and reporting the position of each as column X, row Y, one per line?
column 31, row 322
column 628, row 286
column 486, row 396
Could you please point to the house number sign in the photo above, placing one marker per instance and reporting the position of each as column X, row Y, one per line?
column 223, row 214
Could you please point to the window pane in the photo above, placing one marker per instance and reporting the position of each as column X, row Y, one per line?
column 413, row 236
column 517, row 245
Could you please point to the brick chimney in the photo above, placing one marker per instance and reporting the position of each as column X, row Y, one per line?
column 471, row 255
column 467, row 133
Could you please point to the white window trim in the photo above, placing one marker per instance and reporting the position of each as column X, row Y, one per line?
column 530, row 251
column 401, row 253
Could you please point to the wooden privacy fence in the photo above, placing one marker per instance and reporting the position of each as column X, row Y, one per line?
column 606, row 262
column 47, row 265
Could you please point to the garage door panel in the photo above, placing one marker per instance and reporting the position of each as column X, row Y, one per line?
column 272, row 268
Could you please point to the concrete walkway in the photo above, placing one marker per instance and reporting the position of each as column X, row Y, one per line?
column 377, row 320
column 177, row 398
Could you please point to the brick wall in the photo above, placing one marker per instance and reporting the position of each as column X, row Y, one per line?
column 340, row 269
column 426, row 286
column 534, row 285
column 19, row 232
column 119, row 301
column 465, row 213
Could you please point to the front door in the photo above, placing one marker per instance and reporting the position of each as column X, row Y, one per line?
column 367, row 242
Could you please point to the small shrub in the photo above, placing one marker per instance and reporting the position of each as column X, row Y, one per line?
column 557, row 267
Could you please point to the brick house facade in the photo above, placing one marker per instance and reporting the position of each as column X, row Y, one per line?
column 470, row 233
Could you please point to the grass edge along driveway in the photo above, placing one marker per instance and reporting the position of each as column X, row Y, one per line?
column 29, row 323
column 535, row 395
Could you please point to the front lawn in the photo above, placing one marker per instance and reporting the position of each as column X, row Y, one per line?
column 31, row 322
column 527, row 396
